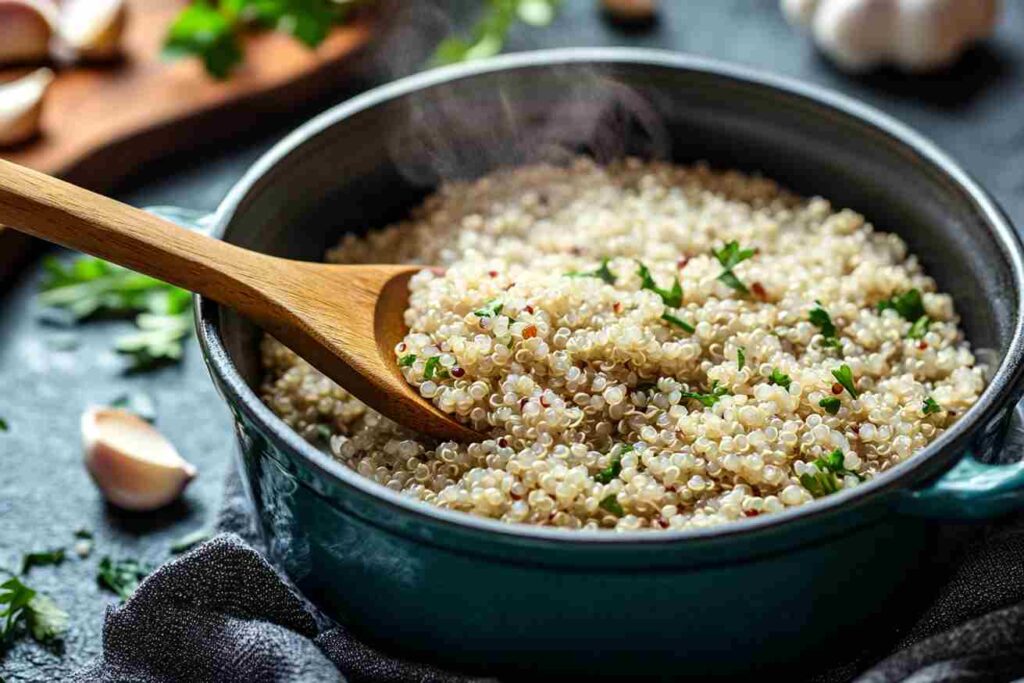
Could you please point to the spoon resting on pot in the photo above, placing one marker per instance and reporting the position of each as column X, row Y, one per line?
column 343, row 320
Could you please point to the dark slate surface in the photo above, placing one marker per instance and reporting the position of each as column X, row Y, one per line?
column 975, row 111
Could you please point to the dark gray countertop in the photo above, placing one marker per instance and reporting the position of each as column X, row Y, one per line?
column 975, row 111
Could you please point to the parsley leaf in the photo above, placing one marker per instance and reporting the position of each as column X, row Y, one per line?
column 433, row 367
column 46, row 621
column 18, row 602
column 204, row 31
column 673, row 298
column 678, row 322
column 730, row 256
column 608, row 473
column 820, row 318
column 780, row 378
column 931, row 406
column 158, row 340
column 709, row 399
column 611, row 504
column 741, row 358
column 919, row 328
column 3, row 425
column 489, row 309
column 844, row 375
column 830, row 404
column 407, row 360
column 121, row 576
column 41, row 559
column 825, row 481
column 488, row 36
column 908, row 305
column 602, row 272
column 14, row 599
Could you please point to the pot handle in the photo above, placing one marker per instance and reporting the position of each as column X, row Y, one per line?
column 971, row 490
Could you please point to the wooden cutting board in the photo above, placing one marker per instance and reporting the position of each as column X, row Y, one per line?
column 101, row 123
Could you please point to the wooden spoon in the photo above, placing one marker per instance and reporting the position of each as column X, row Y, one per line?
column 344, row 320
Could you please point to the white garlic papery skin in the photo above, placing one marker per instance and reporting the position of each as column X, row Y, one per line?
column 26, row 27
column 21, row 106
column 92, row 29
column 133, row 464
column 913, row 35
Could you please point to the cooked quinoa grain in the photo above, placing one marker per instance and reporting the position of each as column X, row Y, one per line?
column 800, row 353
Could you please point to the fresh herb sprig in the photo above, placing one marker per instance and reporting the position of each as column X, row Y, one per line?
column 613, row 470
column 821, row 319
column 780, row 378
column 844, row 375
column 673, row 298
column 911, row 308
column 831, row 404
column 829, row 468
column 433, row 368
column 602, row 272
column 20, row 604
column 489, row 309
column 488, row 36
column 678, row 322
column 41, row 558
column 611, row 504
column 710, row 398
column 730, row 256
column 931, row 406
column 121, row 576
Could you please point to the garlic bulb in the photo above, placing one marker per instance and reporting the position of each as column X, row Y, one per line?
column 913, row 35
column 92, row 29
column 26, row 27
column 134, row 465
column 21, row 106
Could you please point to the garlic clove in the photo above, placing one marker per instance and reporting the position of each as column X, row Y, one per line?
column 630, row 11
column 857, row 35
column 133, row 464
column 21, row 106
column 26, row 27
column 93, row 28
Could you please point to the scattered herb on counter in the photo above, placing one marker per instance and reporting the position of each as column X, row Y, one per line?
column 83, row 533
column 610, row 504
column 606, row 475
column 191, row 540
column 488, row 36
column 678, row 322
column 844, row 375
column 137, row 402
column 709, row 399
column 730, row 256
column 830, row 404
column 673, row 298
column 489, row 309
column 602, row 272
column 41, row 558
column 407, row 360
column 919, row 328
column 780, row 378
column 741, row 358
column 159, row 340
column 908, row 305
column 433, row 367
column 121, row 576
column 931, row 406
column 4, row 427
column 20, row 604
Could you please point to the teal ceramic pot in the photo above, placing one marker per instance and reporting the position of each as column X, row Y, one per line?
column 802, row 586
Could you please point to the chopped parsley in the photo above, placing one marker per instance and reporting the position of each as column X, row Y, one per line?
column 20, row 604
column 673, row 298
column 830, row 404
column 136, row 402
column 158, row 340
column 678, row 322
column 121, row 576
column 820, row 318
column 931, row 406
column 741, row 358
column 610, row 504
column 3, row 425
column 919, row 328
column 908, row 305
column 825, row 480
column 602, row 272
column 433, row 367
column 780, row 378
column 84, row 534
column 730, row 256
column 407, row 360
column 488, row 36
column 844, row 375
column 709, row 399
column 41, row 559
column 489, row 309
column 191, row 540
column 608, row 473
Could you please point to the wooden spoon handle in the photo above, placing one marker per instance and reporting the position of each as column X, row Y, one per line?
column 56, row 211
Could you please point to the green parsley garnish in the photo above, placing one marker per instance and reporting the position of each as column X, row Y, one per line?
column 730, row 256
column 20, row 604
column 490, row 309
column 83, row 533
column 3, row 425
column 433, row 367
column 608, row 473
column 678, row 322
column 191, row 540
column 611, row 504
column 820, row 318
column 136, row 402
column 908, row 305
column 780, row 378
column 407, row 360
column 825, row 480
column 41, row 559
column 919, row 328
column 741, row 358
column 488, row 36
column 931, row 406
column 844, row 375
column 709, row 399
column 673, row 298
column 830, row 404
column 602, row 273
column 121, row 576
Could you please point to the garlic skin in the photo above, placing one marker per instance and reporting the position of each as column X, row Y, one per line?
column 21, row 106
column 26, row 27
column 92, row 29
column 912, row 35
column 133, row 464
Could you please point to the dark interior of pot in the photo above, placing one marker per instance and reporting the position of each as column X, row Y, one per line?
column 372, row 167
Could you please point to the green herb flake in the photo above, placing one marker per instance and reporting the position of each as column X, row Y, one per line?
column 407, row 360
column 490, row 309
column 488, row 36
column 4, row 427
column 83, row 533
column 844, row 375
column 191, row 540
column 919, row 328
column 908, row 305
column 46, row 621
column 820, row 318
column 157, row 341
column 730, row 256
column 602, row 272
column 203, row 31
column 741, row 358
column 121, row 576
column 20, row 604
column 606, row 475
column 931, row 406
column 41, row 558
column 673, row 298
column 709, row 399
column 610, row 504
column 678, row 322
column 780, row 378
column 830, row 404
column 433, row 367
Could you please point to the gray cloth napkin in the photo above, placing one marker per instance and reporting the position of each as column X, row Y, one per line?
column 222, row 613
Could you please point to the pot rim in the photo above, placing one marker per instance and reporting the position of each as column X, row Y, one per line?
column 1003, row 386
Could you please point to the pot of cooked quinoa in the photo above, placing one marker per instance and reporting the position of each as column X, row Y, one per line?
column 742, row 353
